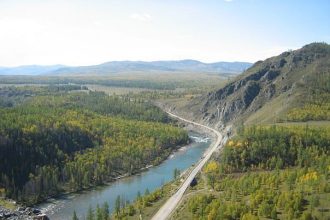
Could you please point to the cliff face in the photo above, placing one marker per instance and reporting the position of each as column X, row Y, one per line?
column 287, row 73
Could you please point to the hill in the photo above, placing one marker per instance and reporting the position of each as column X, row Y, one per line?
column 29, row 70
column 131, row 66
column 276, row 164
column 265, row 170
column 159, row 66
column 270, row 89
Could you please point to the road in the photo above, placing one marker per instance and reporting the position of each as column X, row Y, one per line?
column 165, row 211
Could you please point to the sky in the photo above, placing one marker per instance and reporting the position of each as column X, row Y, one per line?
column 86, row 32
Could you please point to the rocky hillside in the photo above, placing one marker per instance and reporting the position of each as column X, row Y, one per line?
column 269, row 88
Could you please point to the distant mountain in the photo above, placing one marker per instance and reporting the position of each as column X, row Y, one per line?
column 269, row 89
column 166, row 66
column 29, row 70
column 131, row 66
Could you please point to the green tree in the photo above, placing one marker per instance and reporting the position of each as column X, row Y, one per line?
column 265, row 209
column 176, row 173
column 315, row 202
column 146, row 192
column 75, row 217
column 99, row 215
column 105, row 210
column 117, row 206
column 90, row 213
column 131, row 210
column 211, row 179
column 307, row 216
column 273, row 214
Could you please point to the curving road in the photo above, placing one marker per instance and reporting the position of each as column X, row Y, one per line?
column 165, row 211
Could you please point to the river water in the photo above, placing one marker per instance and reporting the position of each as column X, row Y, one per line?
column 127, row 188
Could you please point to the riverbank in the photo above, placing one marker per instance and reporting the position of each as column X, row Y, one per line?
column 162, row 195
column 65, row 190
column 26, row 213
column 127, row 187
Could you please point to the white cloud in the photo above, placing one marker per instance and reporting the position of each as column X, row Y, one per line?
column 141, row 17
column 92, row 33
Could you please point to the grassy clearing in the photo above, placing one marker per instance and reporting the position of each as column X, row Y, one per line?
column 117, row 90
column 149, row 80
column 7, row 204
column 275, row 109
column 21, row 85
column 308, row 123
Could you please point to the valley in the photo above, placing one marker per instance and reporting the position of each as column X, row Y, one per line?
column 81, row 145
column 64, row 135
column 127, row 187
column 41, row 111
column 276, row 163
column 276, row 166
column 165, row 110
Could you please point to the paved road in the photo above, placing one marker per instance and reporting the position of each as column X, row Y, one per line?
column 165, row 211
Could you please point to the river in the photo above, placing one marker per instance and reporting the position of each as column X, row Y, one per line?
column 128, row 187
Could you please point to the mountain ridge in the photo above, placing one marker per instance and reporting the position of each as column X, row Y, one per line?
column 29, row 69
column 279, row 83
column 130, row 66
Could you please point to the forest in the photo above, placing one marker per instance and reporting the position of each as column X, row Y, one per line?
column 64, row 138
column 54, row 80
column 152, row 81
column 315, row 100
column 263, row 172
column 267, row 172
column 317, row 109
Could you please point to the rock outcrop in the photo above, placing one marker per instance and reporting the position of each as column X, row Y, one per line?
column 22, row 213
column 261, row 83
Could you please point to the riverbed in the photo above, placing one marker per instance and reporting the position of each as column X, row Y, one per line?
column 127, row 188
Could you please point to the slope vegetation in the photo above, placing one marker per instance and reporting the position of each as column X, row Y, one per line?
column 271, row 88
column 57, row 141
column 267, row 170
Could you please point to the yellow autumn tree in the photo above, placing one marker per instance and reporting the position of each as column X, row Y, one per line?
column 211, row 167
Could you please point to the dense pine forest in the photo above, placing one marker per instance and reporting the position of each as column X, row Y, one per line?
column 66, row 138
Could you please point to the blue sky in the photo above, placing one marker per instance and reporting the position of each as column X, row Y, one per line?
column 81, row 32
